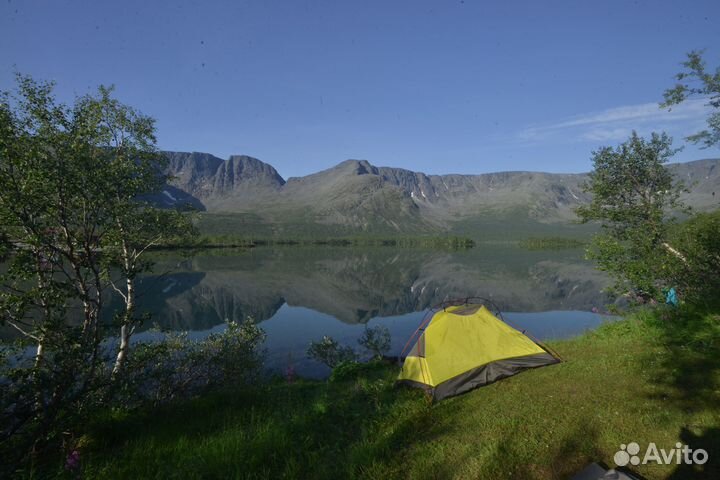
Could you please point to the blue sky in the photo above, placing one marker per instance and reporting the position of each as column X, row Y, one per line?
column 435, row 86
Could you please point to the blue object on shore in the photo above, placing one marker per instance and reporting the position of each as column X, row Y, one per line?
column 671, row 297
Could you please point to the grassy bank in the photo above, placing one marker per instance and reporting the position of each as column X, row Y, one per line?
column 654, row 377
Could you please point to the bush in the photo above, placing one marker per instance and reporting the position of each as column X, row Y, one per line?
column 45, row 402
column 357, row 370
column 178, row 367
column 698, row 239
column 330, row 352
column 156, row 372
column 344, row 370
column 376, row 340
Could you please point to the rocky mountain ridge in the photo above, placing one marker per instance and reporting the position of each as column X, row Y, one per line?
column 358, row 195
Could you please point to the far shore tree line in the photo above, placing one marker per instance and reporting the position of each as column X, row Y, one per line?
column 77, row 221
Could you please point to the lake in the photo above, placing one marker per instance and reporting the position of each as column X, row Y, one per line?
column 298, row 294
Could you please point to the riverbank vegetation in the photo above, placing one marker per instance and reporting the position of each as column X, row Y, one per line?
column 76, row 224
column 550, row 243
column 420, row 241
column 661, row 384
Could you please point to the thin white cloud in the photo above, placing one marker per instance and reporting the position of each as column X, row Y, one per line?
column 606, row 134
column 617, row 123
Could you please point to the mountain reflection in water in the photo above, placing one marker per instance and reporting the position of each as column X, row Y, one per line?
column 299, row 294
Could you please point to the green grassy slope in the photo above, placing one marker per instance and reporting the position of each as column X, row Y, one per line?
column 652, row 378
column 515, row 225
column 512, row 225
column 299, row 225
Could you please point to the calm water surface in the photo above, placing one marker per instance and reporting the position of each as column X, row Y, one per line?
column 299, row 294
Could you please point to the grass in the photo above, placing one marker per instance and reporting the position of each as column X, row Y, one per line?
column 654, row 377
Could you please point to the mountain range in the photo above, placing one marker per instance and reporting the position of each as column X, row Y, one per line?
column 356, row 196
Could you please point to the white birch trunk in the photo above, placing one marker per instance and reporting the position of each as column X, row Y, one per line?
column 125, row 331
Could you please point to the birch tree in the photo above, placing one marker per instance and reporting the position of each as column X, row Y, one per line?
column 75, row 221
column 633, row 198
column 699, row 82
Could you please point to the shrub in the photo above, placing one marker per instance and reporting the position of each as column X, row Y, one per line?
column 330, row 352
column 157, row 372
column 698, row 239
column 376, row 340
column 178, row 367
column 344, row 370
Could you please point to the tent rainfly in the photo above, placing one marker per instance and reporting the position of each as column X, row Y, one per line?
column 461, row 347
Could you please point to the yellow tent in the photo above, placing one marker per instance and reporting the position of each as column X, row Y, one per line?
column 462, row 347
